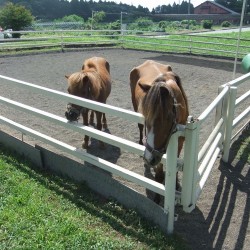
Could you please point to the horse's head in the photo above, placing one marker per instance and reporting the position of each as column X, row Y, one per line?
column 79, row 84
column 159, row 109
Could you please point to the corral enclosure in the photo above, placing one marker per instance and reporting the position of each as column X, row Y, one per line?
column 200, row 76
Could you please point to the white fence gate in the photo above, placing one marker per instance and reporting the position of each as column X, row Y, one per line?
column 196, row 165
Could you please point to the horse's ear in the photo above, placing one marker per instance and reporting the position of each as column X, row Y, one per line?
column 169, row 68
column 145, row 87
column 67, row 76
column 107, row 66
column 134, row 75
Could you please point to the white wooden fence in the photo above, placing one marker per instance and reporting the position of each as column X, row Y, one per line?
column 197, row 163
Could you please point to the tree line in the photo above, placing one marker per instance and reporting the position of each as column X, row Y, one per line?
column 47, row 10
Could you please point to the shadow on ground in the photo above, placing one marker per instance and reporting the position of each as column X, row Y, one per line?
column 207, row 62
column 230, row 206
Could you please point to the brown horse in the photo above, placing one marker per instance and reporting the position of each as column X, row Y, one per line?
column 157, row 93
column 93, row 82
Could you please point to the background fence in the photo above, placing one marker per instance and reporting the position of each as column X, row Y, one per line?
column 75, row 39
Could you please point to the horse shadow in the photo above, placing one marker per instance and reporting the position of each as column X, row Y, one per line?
column 109, row 152
column 213, row 230
column 196, row 61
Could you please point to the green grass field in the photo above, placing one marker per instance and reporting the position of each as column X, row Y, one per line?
column 222, row 45
column 42, row 211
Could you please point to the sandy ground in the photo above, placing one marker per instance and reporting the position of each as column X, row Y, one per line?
column 221, row 218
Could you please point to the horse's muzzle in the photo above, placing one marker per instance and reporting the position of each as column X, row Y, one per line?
column 71, row 115
column 153, row 160
column 152, row 156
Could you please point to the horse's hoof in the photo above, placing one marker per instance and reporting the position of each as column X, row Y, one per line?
column 178, row 187
column 85, row 145
column 105, row 126
column 157, row 199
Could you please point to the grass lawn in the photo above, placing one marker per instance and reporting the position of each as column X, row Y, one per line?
column 222, row 45
column 39, row 210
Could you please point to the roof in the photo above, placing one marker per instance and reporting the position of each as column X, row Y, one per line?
column 220, row 6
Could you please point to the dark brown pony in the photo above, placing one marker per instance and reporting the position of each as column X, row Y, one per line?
column 93, row 82
column 157, row 93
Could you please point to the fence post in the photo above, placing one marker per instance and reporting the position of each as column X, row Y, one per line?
column 219, row 107
column 170, row 182
column 61, row 41
column 221, row 111
column 189, row 179
column 229, row 123
column 190, row 45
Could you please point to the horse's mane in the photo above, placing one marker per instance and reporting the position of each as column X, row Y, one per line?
column 179, row 83
column 154, row 103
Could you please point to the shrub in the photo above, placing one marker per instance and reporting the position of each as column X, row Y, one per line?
column 225, row 24
column 176, row 24
column 207, row 24
column 143, row 23
column 163, row 24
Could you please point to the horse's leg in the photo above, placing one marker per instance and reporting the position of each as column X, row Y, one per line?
column 85, row 144
column 104, row 121
column 99, row 126
column 159, row 177
column 140, row 126
column 91, row 118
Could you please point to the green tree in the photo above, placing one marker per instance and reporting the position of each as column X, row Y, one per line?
column 15, row 17
column 72, row 18
column 97, row 17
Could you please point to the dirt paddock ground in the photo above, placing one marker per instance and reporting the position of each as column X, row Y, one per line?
column 221, row 217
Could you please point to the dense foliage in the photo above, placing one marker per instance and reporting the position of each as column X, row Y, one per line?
column 54, row 9
column 47, row 10
column 175, row 8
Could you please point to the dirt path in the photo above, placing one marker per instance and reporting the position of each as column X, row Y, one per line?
column 221, row 218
